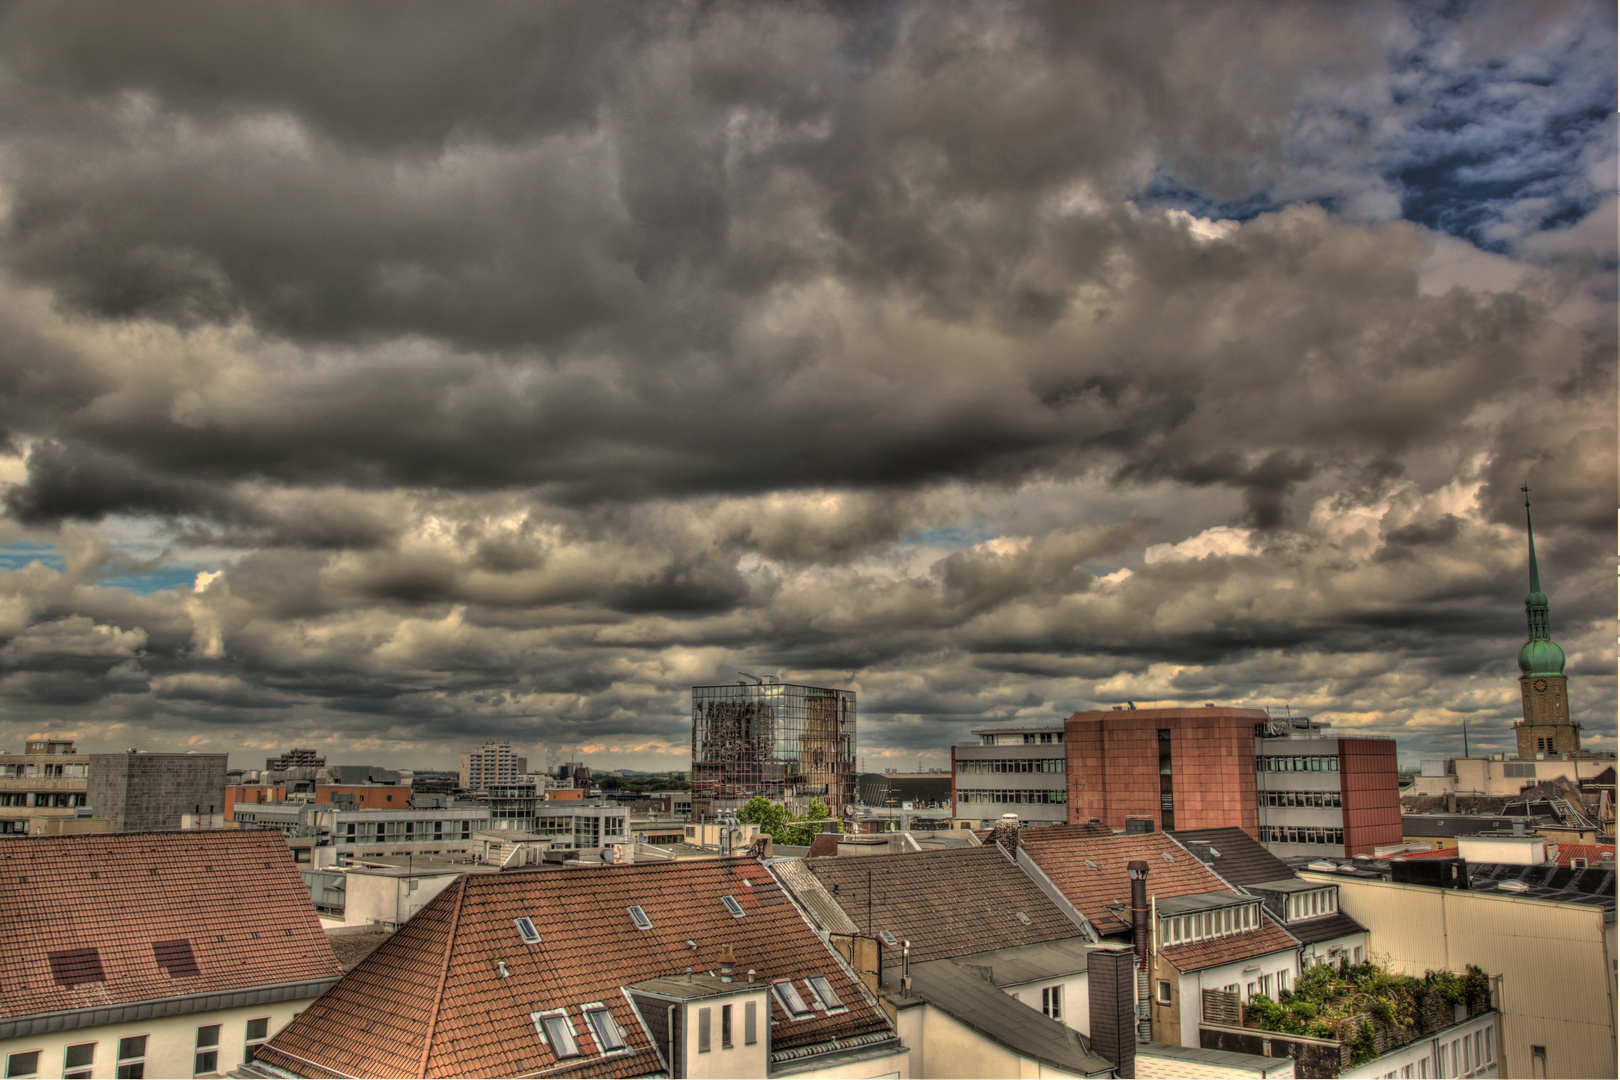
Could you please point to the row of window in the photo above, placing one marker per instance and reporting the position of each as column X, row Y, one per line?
column 394, row 832
column 1030, row 738
column 1310, row 905
column 822, row 997
column 1462, row 1056
column 705, row 1042
column 1302, row 798
column 1301, row 834
column 556, row 1029
column 1010, row 765
column 19, row 770
column 982, row 796
column 1297, row 763
column 1202, row 925
column 79, row 1060
column 42, row 798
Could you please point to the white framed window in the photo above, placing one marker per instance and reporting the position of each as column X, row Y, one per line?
column 1052, row 1001
column 1164, row 991
column 79, row 1061
column 258, row 1033
column 557, row 1032
column 22, row 1064
column 824, row 990
column 790, row 1000
column 132, row 1057
column 206, row 1060
column 703, row 1030
column 526, row 930
column 604, row 1029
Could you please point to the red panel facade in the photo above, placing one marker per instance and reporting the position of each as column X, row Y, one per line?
column 1113, row 767
column 1371, row 789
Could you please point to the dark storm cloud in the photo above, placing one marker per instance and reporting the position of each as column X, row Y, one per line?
column 508, row 369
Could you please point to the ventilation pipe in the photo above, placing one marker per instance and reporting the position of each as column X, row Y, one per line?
column 905, row 966
column 1138, row 870
column 728, row 962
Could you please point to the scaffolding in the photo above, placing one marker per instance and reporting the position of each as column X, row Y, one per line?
column 791, row 744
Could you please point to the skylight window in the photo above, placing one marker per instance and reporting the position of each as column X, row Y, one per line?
column 1091, row 864
column 609, row 1036
column 1021, row 917
column 732, row 906
column 791, row 1000
column 825, row 992
column 639, row 917
column 889, row 938
column 557, row 1032
column 525, row 926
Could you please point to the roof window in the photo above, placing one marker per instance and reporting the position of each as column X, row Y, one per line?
column 791, row 1000
column 1021, row 917
column 732, row 906
column 557, row 1032
column 608, row 1034
column 526, row 929
column 829, row 997
column 889, row 938
column 639, row 916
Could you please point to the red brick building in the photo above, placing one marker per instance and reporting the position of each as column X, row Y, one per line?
column 1176, row 768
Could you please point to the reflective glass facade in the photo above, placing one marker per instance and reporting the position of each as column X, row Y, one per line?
column 791, row 744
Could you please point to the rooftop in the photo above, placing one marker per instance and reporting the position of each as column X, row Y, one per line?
column 1090, row 871
column 946, row 903
column 1213, row 952
column 1030, row 963
column 112, row 918
column 1238, row 857
column 452, row 992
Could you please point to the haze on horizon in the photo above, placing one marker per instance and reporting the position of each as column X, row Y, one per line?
column 388, row 378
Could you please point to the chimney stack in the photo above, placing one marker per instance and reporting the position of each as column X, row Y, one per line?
column 728, row 962
column 1006, row 832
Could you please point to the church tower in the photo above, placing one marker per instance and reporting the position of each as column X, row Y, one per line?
column 1546, row 728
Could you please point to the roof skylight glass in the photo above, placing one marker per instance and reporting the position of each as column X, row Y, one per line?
column 825, row 992
column 791, row 1000
column 732, row 906
column 639, row 917
column 558, row 1033
column 608, row 1034
column 526, row 929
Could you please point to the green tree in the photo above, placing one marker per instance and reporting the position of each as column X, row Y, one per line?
column 774, row 820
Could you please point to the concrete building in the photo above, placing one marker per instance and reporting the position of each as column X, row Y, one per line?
column 142, row 792
column 322, row 835
column 173, row 954
column 1320, row 795
column 296, row 758
column 1011, row 770
column 1500, row 775
column 1551, row 952
column 46, row 783
column 491, row 764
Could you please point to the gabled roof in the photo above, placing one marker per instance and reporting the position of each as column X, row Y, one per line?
column 946, row 903
column 1243, row 860
column 1172, row 871
column 431, row 1001
column 1199, row 955
column 115, row 918
column 1592, row 853
column 975, row 1002
column 1325, row 928
column 1050, row 832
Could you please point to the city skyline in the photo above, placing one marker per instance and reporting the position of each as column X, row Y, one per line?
column 386, row 381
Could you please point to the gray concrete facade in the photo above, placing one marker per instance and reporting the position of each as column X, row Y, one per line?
column 139, row 792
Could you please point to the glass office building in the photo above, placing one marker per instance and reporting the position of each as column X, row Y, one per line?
column 791, row 744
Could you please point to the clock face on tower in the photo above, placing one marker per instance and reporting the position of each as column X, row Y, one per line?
column 1540, row 685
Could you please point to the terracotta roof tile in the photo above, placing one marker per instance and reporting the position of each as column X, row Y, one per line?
column 1592, row 853
column 106, row 919
column 947, row 903
column 1437, row 853
column 430, row 1001
column 1064, row 861
column 1199, row 955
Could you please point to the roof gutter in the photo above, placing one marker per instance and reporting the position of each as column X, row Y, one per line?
column 18, row 1027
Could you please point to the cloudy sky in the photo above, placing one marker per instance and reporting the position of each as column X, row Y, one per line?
column 384, row 378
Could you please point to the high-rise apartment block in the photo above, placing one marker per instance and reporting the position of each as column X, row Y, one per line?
column 492, row 763
column 788, row 743
column 296, row 758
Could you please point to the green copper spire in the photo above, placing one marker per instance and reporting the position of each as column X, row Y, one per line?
column 1540, row 656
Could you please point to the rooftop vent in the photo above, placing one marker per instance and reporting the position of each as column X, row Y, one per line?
column 1091, row 864
column 1021, row 917
column 639, row 916
column 526, row 929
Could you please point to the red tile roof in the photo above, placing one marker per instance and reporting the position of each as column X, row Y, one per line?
column 108, row 919
column 430, row 1001
column 1199, row 955
column 1437, row 853
column 1592, row 853
column 1063, row 860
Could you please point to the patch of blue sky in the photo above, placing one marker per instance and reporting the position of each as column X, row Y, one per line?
column 147, row 582
column 954, row 538
column 19, row 553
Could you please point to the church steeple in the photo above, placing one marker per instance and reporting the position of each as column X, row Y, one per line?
column 1540, row 656
column 1546, row 728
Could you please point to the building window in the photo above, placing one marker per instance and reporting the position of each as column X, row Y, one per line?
column 558, row 1033
column 1052, row 1001
column 987, row 740
column 207, row 1058
column 132, row 1057
column 750, row 1023
column 1358, row 954
column 725, row 1027
column 703, row 1030
column 23, row 1064
column 258, row 1033
column 1164, row 991
column 79, row 1061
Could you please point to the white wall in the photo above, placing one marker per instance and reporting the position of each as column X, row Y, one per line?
column 171, row 1042
column 739, row 1060
column 942, row 1046
column 1424, row 1056
column 1193, row 985
column 1076, row 999
column 389, row 899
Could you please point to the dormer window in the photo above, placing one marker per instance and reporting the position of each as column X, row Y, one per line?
column 1203, row 925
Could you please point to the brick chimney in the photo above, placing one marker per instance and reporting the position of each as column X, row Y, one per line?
column 1006, row 832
